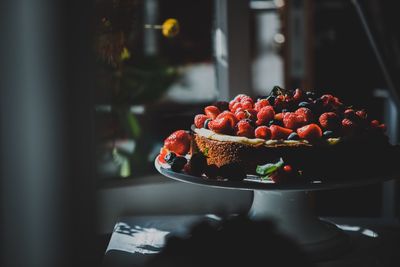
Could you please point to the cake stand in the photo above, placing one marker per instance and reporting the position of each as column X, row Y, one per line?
column 288, row 205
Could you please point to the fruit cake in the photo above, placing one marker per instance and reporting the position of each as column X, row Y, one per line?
column 285, row 136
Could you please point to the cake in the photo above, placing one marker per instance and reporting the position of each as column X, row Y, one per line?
column 285, row 136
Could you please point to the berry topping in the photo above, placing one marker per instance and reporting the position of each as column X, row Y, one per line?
column 304, row 105
column 222, row 125
column 260, row 104
column 178, row 142
column 262, row 132
column 306, row 113
column 293, row 121
column 310, row 132
column 329, row 101
column 247, row 105
column 329, row 121
column 348, row 126
column 361, row 114
column 278, row 132
column 245, row 129
column 265, row 115
column 279, row 116
column 241, row 115
column 349, row 114
column 199, row 120
column 298, row 95
column 328, row 134
column 230, row 116
column 178, row 163
column 211, row 111
column 293, row 136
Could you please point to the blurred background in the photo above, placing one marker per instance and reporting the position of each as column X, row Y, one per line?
column 90, row 89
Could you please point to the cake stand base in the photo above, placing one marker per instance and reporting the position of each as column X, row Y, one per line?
column 291, row 211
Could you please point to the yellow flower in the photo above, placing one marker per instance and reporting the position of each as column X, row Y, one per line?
column 125, row 54
column 170, row 28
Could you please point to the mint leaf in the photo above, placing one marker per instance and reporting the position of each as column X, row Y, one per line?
column 269, row 168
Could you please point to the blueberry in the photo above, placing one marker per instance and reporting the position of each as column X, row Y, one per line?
column 284, row 110
column 271, row 100
column 170, row 157
column 178, row 163
column 304, row 105
column 328, row 134
column 206, row 123
column 293, row 136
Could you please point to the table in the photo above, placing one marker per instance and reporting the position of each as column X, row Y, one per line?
column 134, row 240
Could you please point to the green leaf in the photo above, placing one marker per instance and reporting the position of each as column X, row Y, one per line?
column 269, row 168
column 206, row 152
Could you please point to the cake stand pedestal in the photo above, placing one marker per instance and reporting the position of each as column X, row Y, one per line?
column 289, row 206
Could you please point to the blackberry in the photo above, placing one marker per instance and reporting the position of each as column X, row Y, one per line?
column 178, row 163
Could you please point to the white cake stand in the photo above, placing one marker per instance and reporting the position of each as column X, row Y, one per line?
column 289, row 206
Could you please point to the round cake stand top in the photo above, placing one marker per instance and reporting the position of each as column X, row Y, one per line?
column 254, row 183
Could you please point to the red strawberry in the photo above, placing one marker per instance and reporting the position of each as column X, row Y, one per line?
column 231, row 103
column 329, row 121
column 310, row 132
column 298, row 95
column 178, row 142
column 361, row 114
column 244, row 128
column 279, row 116
column 306, row 113
column 348, row 126
column 375, row 124
column 211, row 111
column 199, row 120
column 278, row 132
column 236, row 106
column 260, row 104
column 265, row 115
column 246, row 99
column 241, row 115
column 163, row 153
column 293, row 121
column 247, row 105
column 227, row 114
column 221, row 125
column 239, row 97
column 330, row 101
column 262, row 132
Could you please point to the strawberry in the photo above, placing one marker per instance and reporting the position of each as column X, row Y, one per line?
column 298, row 95
column 279, row 116
column 375, row 124
column 241, row 115
column 199, row 120
column 262, row 132
column 231, row 103
column 247, row 105
column 265, row 115
column 239, row 97
column 260, row 104
column 278, row 132
column 329, row 121
column 211, row 111
column 306, row 113
column 163, row 153
column 227, row 114
column 293, row 121
column 221, row 125
column 348, row 126
column 310, row 132
column 236, row 106
column 361, row 114
column 178, row 142
column 246, row 99
column 245, row 129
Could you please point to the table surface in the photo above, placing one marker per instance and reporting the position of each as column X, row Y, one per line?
column 134, row 240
